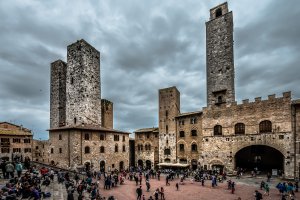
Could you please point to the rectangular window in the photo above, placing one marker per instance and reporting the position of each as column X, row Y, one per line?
column 60, row 150
column 116, row 138
column 281, row 137
column 86, row 136
column 26, row 140
column 4, row 150
column 193, row 120
column 60, row 137
column 36, row 147
column 167, row 129
column 27, row 150
column 16, row 150
column 123, row 138
column 52, row 151
column 102, row 137
column 16, row 140
column 124, row 149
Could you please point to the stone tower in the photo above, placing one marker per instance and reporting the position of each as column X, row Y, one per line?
column 219, row 56
column 58, row 94
column 169, row 108
column 83, row 95
column 107, row 114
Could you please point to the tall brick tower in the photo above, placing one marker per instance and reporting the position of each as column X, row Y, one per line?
column 58, row 94
column 83, row 100
column 169, row 108
column 219, row 56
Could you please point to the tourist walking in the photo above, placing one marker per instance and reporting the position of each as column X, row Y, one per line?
column 19, row 169
column 139, row 193
column 162, row 193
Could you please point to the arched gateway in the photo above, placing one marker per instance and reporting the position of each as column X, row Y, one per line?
column 262, row 157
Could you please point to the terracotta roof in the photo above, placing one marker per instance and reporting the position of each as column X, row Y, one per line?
column 189, row 113
column 88, row 127
column 144, row 130
column 14, row 132
column 21, row 127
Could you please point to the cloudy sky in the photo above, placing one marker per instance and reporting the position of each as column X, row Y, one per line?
column 145, row 46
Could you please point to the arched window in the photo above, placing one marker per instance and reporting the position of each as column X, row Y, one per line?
column 218, row 12
column 181, row 134
column 181, row 147
column 218, row 130
column 167, row 160
column 194, row 132
column 194, row 147
column 86, row 149
column 265, row 126
column 102, row 149
column 86, row 136
column 239, row 128
column 116, row 148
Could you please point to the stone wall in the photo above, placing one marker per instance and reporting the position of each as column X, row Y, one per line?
column 83, row 104
column 219, row 57
column 107, row 114
column 185, row 124
column 145, row 154
column 58, row 94
column 169, row 108
column 74, row 152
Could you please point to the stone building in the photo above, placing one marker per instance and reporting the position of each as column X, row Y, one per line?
column 146, row 147
column 226, row 135
column 81, row 123
column 40, row 151
column 189, row 138
column 15, row 142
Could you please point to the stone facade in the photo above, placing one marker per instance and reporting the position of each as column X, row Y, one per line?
column 219, row 56
column 58, row 94
column 83, row 95
column 229, row 135
column 40, row 151
column 81, row 130
column 169, row 108
column 146, row 146
column 15, row 142
column 107, row 114
column 70, row 148
column 189, row 138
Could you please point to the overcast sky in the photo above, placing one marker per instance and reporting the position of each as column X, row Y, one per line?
column 144, row 46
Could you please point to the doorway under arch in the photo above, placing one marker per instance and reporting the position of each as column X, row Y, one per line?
column 194, row 164
column 140, row 163
column 148, row 164
column 102, row 166
column 260, row 157
column 121, row 166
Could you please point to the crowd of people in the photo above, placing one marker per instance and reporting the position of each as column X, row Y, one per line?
column 27, row 181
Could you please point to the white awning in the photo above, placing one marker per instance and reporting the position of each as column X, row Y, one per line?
column 173, row 165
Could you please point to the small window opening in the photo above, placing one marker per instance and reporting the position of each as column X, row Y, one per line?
column 218, row 12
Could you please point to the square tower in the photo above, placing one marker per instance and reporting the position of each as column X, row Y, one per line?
column 58, row 94
column 169, row 108
column 219, row 56
column 83, row 101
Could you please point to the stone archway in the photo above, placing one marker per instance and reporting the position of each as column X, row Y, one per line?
column 121, row 166
column 194, row 164
column 261, row 158
column 140, row 163
column 102, row 166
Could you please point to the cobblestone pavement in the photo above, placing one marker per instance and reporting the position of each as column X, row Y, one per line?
column 245, row 188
